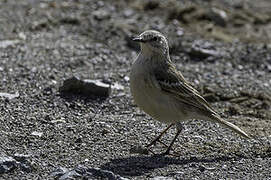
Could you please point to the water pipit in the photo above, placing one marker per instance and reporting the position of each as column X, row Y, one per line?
column 161, row 91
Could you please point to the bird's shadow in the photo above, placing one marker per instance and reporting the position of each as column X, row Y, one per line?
column 139, row 165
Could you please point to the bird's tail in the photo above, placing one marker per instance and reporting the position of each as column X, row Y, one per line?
column 229, row 125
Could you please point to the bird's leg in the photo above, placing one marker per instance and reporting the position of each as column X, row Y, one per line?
column 179, row 128
column 172, row 142
column 160, row 135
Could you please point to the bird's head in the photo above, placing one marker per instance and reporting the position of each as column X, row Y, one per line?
column 153, row 42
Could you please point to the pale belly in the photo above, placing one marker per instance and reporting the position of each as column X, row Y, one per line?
column 154, row 102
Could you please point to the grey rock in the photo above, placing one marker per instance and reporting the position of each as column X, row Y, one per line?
column 9, row 96
column 128, row 12
column 89, row 173
column 218, row 16
column 7, row 43
column 21, row 157
column 139, row 150
column 7, row 164
column 203, row 50
column 59, row 172
column 25, row 167
column 161, row 178
column 85, row 87
column 41, row 24
column 101, row 14
column 117, row 86
column 36, row 133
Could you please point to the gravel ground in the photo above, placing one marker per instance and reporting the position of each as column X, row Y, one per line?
column 223, row 48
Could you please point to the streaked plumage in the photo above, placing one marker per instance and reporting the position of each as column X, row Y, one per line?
column 162, row 92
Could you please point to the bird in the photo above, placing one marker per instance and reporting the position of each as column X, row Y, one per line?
column 161, row 91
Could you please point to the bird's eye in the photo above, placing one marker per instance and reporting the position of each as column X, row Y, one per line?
column 154, row 38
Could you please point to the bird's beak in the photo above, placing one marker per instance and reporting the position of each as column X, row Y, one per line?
column 138, row 39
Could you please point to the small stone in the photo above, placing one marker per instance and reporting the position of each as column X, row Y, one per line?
column 85, row 173
column 234, row 110
column 38, row 25
column 101, row 15
column 70, row 20
column 22, row 36
column 9, row 96
column 161, row 178
column 7, row 43
column 126, row 78
column 25, row 167
column 203, row 50
column 7, row 164
column 218, row 16
column 85, row 87
column 58, row 121
column 21, row 157
column 78, row 140
column 151, row 5
column 139, row 150
column 59, row 172
column 36, row 133
column 203, row 168
column 117, row 86
column 128, row 12
column 211, row 97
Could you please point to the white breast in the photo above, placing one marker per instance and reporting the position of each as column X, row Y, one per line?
column 149, row 97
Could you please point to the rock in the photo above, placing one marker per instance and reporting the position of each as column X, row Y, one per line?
column 139, row 150
column 151, row 5
column 36, row 133
column 59, row 172
column 85, row 87
column 183, row 14
column 9, row 96
column 234, row 109
column 203, row 168
column 128, row 12
column 218, row 16
column 58, row 121
column 241, row 19
column 70, row 20
column 126, row 78
column 117, row 86
column 101, row 15
column 25, row 167
column 22, row 36
column 202, row 50
column 7, row 164
column 21, row 157
column 261, row 19
column 86, row 173
column 39, row 25
column 211, row 97
column 7, row 43
column 22, row 162
column 161, row 178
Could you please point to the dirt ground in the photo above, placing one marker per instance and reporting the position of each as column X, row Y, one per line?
column 222, row 47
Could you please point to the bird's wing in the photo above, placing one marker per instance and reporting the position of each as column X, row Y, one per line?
column 173, row 83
